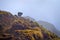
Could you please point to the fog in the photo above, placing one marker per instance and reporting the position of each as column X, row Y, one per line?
column 46, row 10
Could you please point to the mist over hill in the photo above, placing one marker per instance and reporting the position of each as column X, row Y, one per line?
column 46, row 25
column 16, row 27
column 49, row 27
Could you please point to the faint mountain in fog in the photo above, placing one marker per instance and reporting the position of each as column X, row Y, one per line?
column 46, row 25
column 49, row 27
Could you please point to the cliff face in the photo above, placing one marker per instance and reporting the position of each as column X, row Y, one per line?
column 20, row 28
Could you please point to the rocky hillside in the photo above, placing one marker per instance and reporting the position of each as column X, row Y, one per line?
column 18, row 28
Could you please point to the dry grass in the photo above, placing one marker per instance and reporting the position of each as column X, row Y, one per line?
column 30, row 33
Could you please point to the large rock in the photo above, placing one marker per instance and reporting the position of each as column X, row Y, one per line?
column 20, row 14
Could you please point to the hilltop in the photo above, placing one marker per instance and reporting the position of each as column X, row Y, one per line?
column 14, row 27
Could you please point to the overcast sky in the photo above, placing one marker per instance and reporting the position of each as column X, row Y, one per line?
column 46, row 10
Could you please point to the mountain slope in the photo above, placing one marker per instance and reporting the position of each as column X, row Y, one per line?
column 20, row 28
column 49, row 27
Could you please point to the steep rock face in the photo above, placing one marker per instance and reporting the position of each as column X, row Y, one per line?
column 20, row 28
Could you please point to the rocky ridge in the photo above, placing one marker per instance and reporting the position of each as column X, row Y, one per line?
column 18, row 28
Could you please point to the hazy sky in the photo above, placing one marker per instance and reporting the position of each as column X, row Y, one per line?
column 46, row 10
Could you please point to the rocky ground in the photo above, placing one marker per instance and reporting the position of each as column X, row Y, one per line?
column 13, row 27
